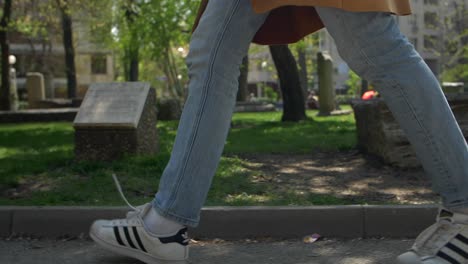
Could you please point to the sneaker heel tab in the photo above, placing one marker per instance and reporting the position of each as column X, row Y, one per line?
column 444, row 213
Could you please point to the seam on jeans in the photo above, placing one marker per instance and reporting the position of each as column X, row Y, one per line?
column 227, row 21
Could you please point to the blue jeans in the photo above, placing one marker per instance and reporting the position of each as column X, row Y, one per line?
column 372, row 45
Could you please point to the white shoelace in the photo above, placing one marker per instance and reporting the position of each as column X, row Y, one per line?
column 119, row 188
column 139, row 208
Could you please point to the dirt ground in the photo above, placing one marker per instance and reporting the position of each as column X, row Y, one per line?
column 356, row 251
column 348, row 174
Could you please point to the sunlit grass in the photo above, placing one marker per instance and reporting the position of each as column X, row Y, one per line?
column 37, row 167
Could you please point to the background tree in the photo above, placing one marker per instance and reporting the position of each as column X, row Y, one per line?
column 354, row 84
column 167, row 30
column 243, row 92
column 5, row 49
column 304, row 51
column 454, row 50
column 36, row 22
column 156, row 34
column 302, row 64
column 131, row 11
column 42, row 22
column 64, row 8
column 288, row 74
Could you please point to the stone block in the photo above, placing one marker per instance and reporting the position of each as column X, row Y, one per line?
column 116, row 119
column 35, row 88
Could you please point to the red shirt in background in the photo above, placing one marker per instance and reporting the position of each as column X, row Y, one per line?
column 368, row 95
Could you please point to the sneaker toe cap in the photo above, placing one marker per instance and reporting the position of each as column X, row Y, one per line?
column 409, row 258
column 100, row 229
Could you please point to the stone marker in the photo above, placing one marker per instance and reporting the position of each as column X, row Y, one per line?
column 169, row 109
column 14, row 102
column 326, row 91
column 379, row 133
column 35, row 88
column 116, row 119
column 49, row 85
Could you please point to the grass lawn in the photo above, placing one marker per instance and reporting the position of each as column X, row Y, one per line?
column 37, row 168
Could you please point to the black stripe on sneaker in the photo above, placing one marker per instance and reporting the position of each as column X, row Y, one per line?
column 117, row 236
column 129, row 239
column 462, row 238
column 137, row 237
column 458, row 250
column 447, row 258
column 180, row 238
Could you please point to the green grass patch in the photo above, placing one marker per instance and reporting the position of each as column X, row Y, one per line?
column 263, row 133
column 37, row 168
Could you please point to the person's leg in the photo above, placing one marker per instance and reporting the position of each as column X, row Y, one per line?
column 217, row 47
column 372, row 45
column 155, row 233
column 374, row 48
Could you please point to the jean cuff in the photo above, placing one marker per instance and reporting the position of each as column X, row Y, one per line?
column 173, row 216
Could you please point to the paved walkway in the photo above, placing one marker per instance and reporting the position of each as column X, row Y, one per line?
column 369, row 251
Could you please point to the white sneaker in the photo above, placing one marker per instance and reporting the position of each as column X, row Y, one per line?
column 445, row 242
column 129, row 237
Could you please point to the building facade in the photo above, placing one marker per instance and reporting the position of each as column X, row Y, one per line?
column 424, row 29
column 93, row 62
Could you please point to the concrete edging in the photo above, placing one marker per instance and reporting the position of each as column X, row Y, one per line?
column 237, row 222
column 39, row 115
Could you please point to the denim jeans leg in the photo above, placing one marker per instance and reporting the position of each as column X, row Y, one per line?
column 217, row 47
column 374, row 47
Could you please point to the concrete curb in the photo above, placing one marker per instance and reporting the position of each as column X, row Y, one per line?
column 237, row 222
column 39, row 115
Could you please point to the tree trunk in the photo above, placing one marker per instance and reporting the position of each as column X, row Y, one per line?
column 243, row 91
column 5, row 47
column 132, row 49
column 293, row 98
column 302, row 60
column 364, row 87
column 133, row 70
column 70, row 68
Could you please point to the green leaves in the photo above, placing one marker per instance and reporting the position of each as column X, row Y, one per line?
column 152, row 31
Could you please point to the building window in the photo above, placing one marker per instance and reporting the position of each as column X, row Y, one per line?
column 414, row 41
column 431, row 20
column 98, row 64
column 430, row 2
column 430, row 42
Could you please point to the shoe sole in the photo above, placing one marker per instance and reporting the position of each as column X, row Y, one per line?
column 146, row 258
column 412, row 258
column 408, row 258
